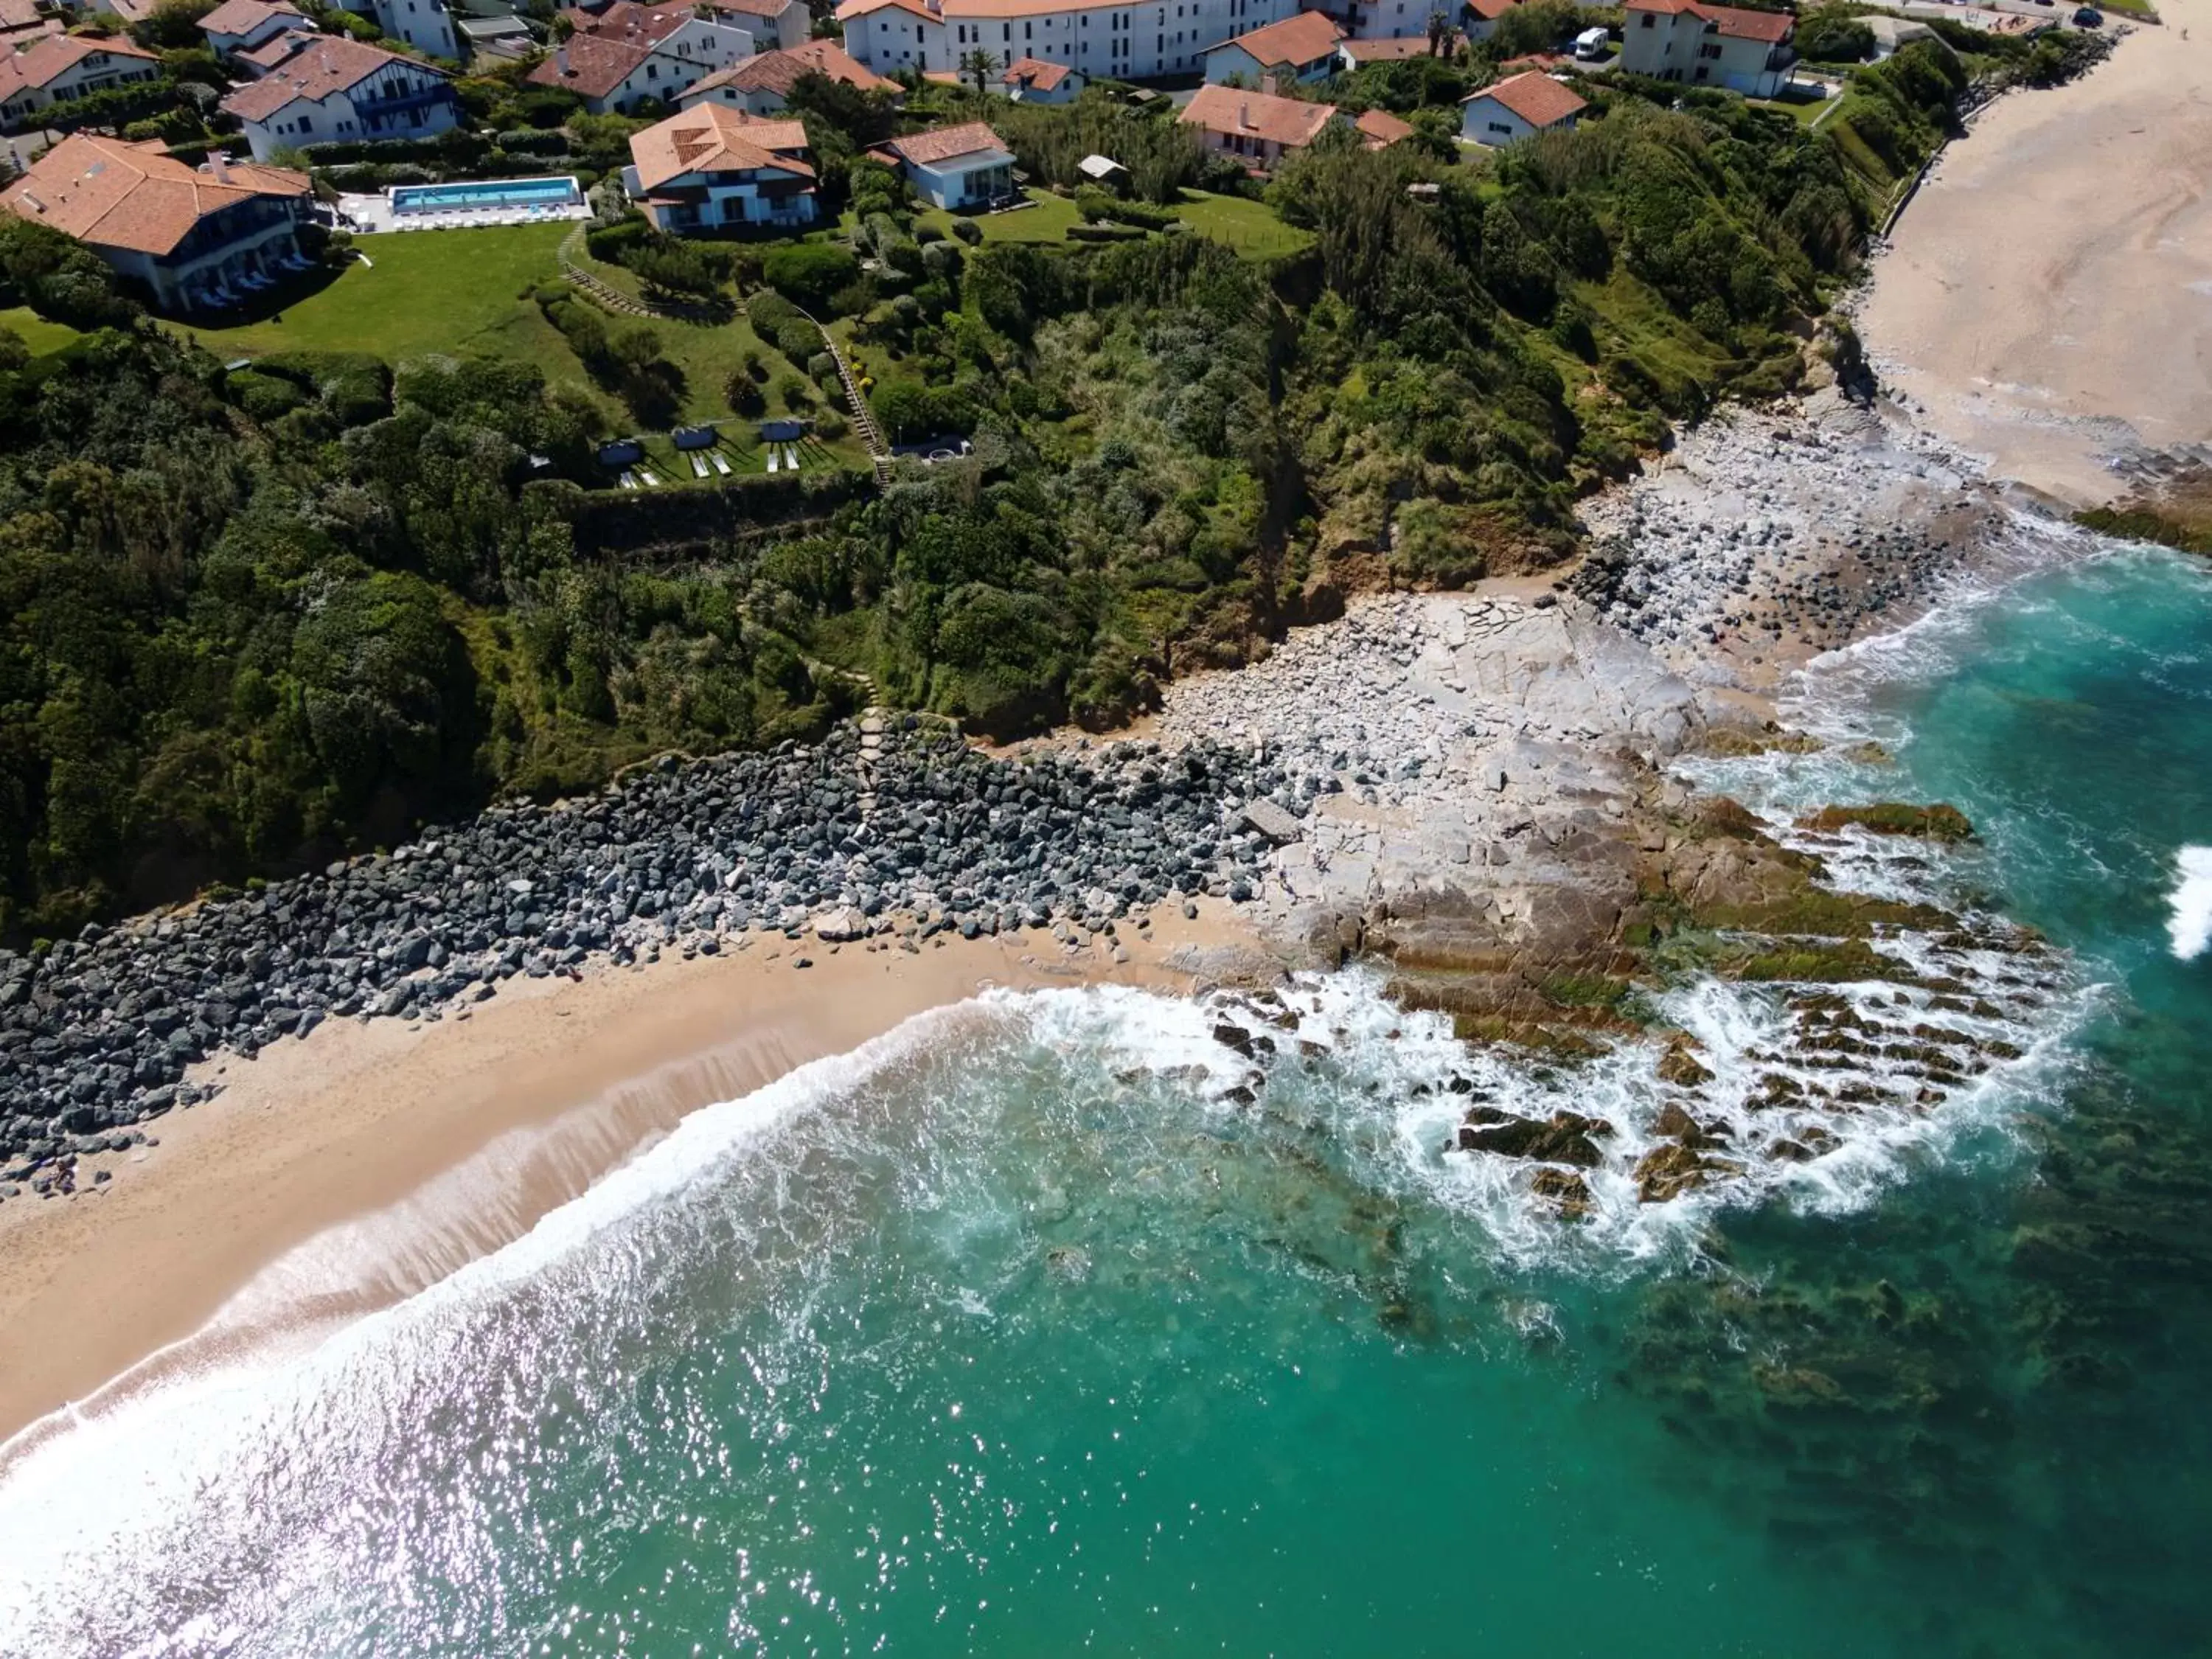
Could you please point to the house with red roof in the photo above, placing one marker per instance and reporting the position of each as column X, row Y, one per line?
column 237, row 26
column 629, row 53
column 1298, row 49
column 1099, row 39
column 1033, row 81
column 963, row 167
column 1511, row 109
column 46, row 69
column 1686, row 40
column 185, row 234
column 774, row 25
column 712, row 167
column 1256, row 128
column 762, row 84
column 331, row 89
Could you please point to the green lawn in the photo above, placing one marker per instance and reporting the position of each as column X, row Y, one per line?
column 1048, row 221
column 38, row 333
column 1251, row 227
column 419, row 291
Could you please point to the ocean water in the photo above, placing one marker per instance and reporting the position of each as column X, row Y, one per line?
column 1024, row 1331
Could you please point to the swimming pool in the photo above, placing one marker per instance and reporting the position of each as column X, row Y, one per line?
column 485, row 194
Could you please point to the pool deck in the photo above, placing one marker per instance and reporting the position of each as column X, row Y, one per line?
column 373, row 214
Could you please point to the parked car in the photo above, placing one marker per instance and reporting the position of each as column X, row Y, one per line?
column 2088, row 17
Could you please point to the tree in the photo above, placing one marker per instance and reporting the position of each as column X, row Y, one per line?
column 979, row 66
column 172, row 24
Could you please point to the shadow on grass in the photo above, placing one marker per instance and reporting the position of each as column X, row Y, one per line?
column 270, row 302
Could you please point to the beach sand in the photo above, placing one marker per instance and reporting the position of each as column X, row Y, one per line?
column 2047, row 295
column 347, row 1170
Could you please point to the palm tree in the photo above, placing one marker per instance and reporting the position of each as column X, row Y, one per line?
column 1439, row 31
column 982, row 65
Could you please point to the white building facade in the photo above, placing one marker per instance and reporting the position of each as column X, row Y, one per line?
column 333, row 90
column 1113, row 42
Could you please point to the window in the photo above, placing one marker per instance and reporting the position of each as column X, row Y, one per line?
column 1501, row 126
column 1649, row 19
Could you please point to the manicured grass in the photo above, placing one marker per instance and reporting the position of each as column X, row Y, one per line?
column 421, row 291
column 41, row 335
column 1048, row 221
column 1251, row 227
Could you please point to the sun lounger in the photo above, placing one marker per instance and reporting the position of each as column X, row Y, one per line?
column 721, row 465
column 775, row 460
column 698, row 466
column 650, row 481
column 629, row 479
column 791, row 458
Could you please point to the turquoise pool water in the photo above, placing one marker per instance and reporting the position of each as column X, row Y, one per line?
column 485, row 194
column 1006, row 1337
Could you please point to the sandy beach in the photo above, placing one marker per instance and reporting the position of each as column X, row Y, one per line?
column 2046, row 297
column 341, row 1173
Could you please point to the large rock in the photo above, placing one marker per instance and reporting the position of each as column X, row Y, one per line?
column 1565, row 1138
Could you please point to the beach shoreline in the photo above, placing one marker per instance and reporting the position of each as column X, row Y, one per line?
column 2040, row 302
column 338, row 1174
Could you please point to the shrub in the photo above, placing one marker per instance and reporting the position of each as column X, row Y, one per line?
column 743, row 394
column 532, row 140
column 612, row 243
column 809, row 272
column 775, row 319
column 791, row 392
column 968, row 231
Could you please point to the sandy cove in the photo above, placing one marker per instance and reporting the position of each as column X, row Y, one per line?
column 530, row 1097
column 2044, row 298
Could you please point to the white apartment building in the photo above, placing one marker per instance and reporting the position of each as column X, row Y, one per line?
column 1115, row 42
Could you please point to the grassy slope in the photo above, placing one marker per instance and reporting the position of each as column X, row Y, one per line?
column 1251, row 227
column 38, row 333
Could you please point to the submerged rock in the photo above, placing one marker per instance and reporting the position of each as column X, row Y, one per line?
column 1890, row 818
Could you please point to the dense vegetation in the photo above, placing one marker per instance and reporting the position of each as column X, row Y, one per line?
column 258, row 615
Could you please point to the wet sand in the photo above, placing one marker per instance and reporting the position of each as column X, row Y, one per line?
column 343, row 1172
column 2048, row 296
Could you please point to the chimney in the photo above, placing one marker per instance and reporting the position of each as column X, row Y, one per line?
column 1244, row 113
column 561, row 63
column 219, row 164
column 1266, row 86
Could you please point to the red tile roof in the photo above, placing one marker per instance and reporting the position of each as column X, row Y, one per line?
column 320, row 66
column 244, row 16
column 1398, row 47
column 1381, row 128
column 1735, row 22
column 780, row 71
column 109, row 193
column 1035, row 72
column 770, row 9
column 713, row 138
column 853, row 9
column 928, row 149
column 1300, row 40
column 1260, row 116
column 1535, row 97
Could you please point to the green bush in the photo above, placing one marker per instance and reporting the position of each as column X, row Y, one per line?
column 968, row 231
column 809, row 273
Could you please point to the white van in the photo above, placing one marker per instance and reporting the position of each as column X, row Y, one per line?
column 1591, row 44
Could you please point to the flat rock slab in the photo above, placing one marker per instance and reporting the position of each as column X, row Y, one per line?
column 1273, row 821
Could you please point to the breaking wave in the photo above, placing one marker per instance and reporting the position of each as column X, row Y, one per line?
column 2190, row 926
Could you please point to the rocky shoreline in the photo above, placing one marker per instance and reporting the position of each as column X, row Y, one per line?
column 1471, row 789
column 886, row 834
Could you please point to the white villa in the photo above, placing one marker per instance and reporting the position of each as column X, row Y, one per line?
column 953, row 167
column 1033, row 81
column 712, row 167
column 774, row 25
column 1122, row 42
column 328, row 89
column 53, row 68
column 186, row 234
column 1746, row 52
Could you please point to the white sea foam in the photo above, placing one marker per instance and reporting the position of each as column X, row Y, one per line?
column 2189, row 927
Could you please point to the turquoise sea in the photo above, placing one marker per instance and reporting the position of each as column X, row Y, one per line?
column 1012, row 1334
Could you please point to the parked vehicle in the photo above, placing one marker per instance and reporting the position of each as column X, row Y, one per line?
column 1591, row 44
column 2088, row 17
